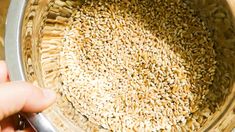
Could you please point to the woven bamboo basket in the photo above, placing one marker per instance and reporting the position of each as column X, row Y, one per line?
column 54, row 14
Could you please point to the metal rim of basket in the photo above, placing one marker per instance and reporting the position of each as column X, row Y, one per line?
column 14, row 58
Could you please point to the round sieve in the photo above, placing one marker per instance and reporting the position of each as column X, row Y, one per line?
column 26, row 32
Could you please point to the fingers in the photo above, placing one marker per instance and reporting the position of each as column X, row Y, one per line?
column 7, row 125
column 3, row 72
column 10, row 124
column 22, row 96
column 26, row 130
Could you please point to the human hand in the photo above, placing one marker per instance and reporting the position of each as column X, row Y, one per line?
column 20, row 97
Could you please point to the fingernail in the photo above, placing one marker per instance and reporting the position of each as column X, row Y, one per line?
column 49, row 93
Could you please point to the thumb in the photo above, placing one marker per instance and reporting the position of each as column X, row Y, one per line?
column 22, row 96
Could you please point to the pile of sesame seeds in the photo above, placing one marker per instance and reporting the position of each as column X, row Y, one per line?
column 137, row 65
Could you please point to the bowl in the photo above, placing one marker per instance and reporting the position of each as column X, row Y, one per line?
column 32, row 25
